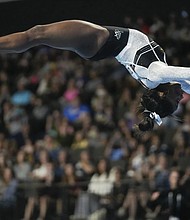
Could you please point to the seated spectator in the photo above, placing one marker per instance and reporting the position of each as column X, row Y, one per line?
column 22, row 97
column 138, row 157
column 4, row 94
column 185, row 180
column 69, row 190
column 129, row 207
column 162, row 173
column 60, row 164
column 116, row 148
column 80, row 141
column 21, row 168
column 100, row 184
column 43, row 87
column 51, row 144
column 29, row 150
column 71, row 91
column 84, row 168
column 59, row 172
column 38, row 118
column 104, row 117
column 53, row 120
column 15, row 118
column 43, row 175
column 120, row 188
column 8, row 187
column 101, row 98
column 171, row 203
column 91, row 203
column 95, row 137
column 65, row 130
column 75, row 111
column 3, row 163
column 124, row 103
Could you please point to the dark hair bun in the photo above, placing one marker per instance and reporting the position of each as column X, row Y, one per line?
column 146, row 124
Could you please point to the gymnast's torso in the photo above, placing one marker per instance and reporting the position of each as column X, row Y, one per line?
column 138, row 55
column 136, row 52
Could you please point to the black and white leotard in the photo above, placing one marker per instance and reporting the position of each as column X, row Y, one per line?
column 143, row 58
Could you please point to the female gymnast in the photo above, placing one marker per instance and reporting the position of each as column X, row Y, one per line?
column 144, row 59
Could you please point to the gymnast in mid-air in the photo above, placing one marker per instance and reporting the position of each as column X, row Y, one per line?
column 144, row 59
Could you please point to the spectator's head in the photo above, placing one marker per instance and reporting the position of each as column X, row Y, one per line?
column 69, row 170
column 20, row 156
column 102, row 166
column 162, row 161
column 84, row 156
column 174, row 178
column 116, row 174
column 79, row 136
column 43, row 156
column 21, row 84
column 2, row 160
column 7, row 175
column 62, row 156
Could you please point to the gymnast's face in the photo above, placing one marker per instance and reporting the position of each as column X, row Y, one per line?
column 174, row 93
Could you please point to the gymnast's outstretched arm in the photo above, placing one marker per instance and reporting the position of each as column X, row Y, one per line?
column 162, row 73
column 82, row 37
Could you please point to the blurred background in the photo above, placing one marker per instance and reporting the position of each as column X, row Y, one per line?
column 67, row 144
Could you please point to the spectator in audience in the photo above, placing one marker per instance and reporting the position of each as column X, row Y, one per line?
column 51, row 144
column 65, row 133
column 15, row 118
column 129, row 206
column 38, row 117
column 138, row 158
column 71, row 91
column 43, row 174
column 95, row 137
column 124, row 103
column 102, row 107
column 60, row 165
column 80, row 141
column 23, row 96
column 100, row 184
column 43, row 87
column 70, row 190
column 21, row 168
column 162, row 173
column 91, row 203
column 4, row 94
column 29, row 150
column 120, row 188
column 171, row 203
column 185, row 182
column 84, row 168
column 8, row 190
column 75, row 110
column 116, row 148
column 3, row 163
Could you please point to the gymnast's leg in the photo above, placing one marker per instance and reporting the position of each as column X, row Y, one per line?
column 82, row 37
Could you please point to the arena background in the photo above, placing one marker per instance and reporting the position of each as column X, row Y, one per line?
column 19, row 15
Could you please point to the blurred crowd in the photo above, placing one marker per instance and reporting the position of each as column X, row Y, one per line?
column 68, row 147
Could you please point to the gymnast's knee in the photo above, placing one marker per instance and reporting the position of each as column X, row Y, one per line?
column 36, row 34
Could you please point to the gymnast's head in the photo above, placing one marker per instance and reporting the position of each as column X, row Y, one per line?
column 159, row 103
